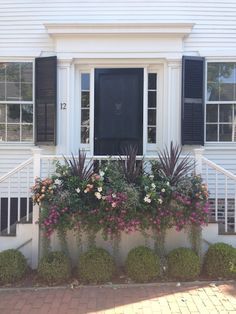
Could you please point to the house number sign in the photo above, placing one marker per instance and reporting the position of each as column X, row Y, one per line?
column 63, row 106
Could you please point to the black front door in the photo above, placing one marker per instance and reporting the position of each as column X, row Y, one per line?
column 118, row 119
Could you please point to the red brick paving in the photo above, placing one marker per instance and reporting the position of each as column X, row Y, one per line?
column 144, row 299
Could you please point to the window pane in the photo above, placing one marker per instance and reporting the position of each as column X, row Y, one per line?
column 151, row 135
column 13, row 113
column 213, row 92
column 26, row 72
column 13, row 72
column 151, row 117
column 225, row 132
column 227, row 81
column 212, row 113
column 2, row 72
column 152, row 99
column 27, row 133
column 152, row 81
column 26, row 92
column 27, row 113
column 85, row 81
column 13, row 91
column 2, row 91
column 84, row 117
column 85, row 135
column 226, row 113
column 2, row 132
column 85, row 100
column 213, row 72
column 13, row 132
column 211, row 132
column 2, row 113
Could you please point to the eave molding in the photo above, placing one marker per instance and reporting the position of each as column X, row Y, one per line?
column 161, row 29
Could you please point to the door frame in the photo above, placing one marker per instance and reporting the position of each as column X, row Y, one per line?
column 155, row 65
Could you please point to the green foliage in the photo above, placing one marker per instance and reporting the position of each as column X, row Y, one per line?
column 142, row 265
column 96, row 266
column 183, row 264
column 54, row 268
column 220, row 261
column 13, row 266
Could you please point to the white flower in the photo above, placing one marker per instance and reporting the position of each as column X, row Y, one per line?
column 160, row 200
column 163, row 190
column 151, row 176
column 100, row 189
column 85, row 191
column 58, row 182
column 113, row 195
column 167, row 183
column 78, row 190
column 147, row 199
column 153, row 185
column 101, row 173
column 98, row 195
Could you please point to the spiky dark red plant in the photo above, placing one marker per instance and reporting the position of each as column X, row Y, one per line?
column 79, row 167
column 172, row 166
column 131, row 166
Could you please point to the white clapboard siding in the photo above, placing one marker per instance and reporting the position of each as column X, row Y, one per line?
column 21, row 21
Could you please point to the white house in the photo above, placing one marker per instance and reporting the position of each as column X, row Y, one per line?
column 98, row 74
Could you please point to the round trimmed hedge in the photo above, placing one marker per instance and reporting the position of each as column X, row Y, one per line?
column 183, row 264
column 54, row 268
column 220, row 261
column 13, row 266
column 142, row 264
column 96, row 266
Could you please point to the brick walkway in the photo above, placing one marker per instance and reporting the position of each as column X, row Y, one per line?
column 146, row 299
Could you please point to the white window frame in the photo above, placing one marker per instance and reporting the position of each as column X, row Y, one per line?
column 21, row 143
column 216, row 143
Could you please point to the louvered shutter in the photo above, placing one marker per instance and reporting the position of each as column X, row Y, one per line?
column 193, row 100
column 45, row 99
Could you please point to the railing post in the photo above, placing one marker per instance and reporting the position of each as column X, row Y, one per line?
column 198, row 153
column 35, row 227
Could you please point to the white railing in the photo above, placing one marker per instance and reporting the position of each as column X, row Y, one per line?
column 222, row 187
column 14, row 186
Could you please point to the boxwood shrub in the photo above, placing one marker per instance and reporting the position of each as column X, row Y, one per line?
column 142, row 264
column 183, row 264
column 54, row 268
column 220, row 261
column 13, row 266
column 96, row 266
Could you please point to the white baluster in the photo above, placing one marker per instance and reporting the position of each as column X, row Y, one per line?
column 9, row 207
column 226, row 204
column 28, row 189
column 19, row 192
column 216, row 198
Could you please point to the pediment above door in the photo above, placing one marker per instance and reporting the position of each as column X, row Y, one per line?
column 97, row 38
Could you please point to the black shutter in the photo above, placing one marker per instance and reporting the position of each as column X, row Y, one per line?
column 192, row 100
column 45, row 99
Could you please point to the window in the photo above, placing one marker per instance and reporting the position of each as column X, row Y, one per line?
column 16, row 102
column 152, row 107
column 85, row 107
column 221, row 102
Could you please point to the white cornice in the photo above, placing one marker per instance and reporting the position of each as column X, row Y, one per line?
column 71, row 29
